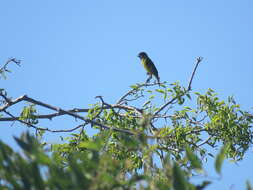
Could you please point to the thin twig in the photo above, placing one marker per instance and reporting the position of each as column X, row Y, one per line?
column 199, row 59
column 4, row 96
column 21, row 121
column 14, row 60
column 204, row 142
column 196, row 131
column 133, row 90
column 4, row 68
column 164, row 106
column 46, row 129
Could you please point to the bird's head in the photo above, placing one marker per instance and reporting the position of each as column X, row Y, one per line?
column 142, row 55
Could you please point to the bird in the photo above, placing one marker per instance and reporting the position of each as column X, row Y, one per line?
column 149, row 66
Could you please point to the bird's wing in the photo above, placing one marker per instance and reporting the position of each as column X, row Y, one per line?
column 153, row 69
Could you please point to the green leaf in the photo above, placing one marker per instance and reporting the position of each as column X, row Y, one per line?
column 163, row 85
column 133, row 86
column 151, row 97
column 219, row 160
column 169, row 90
column 43, row 158
column 90, row 145
column 179, row 182
column 38, row 180
column 160, row 90
column 195, row 162
column 23, row 145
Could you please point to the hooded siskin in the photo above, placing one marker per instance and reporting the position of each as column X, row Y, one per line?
column 149, row 66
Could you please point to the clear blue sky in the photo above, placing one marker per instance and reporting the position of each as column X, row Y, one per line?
column 72, row 51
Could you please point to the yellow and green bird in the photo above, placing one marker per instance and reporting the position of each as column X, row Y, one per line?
column 149, row 66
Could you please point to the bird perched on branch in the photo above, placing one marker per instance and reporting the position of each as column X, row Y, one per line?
column 149, row 66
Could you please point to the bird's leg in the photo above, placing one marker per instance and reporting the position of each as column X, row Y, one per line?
column 149, row 78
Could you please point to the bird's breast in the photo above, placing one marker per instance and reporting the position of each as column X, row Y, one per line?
column 144, row 63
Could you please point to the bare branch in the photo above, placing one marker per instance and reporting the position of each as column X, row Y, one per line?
column 46, row 116
column 14, row 60
column 75, row 115
column 60, row 111
column 10, row 102
column 199, row 59
column 10, row 60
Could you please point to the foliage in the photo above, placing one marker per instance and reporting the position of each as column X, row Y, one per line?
column 91, row 168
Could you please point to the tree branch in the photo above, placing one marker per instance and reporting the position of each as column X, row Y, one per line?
column 14, row 60
column 199, row 59
column 4, row 68
column 46, row 129
column 46, row 116
column 10, row 102
column 51, row 116
column 60, row 111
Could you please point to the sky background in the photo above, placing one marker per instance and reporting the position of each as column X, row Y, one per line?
column 72, row 51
